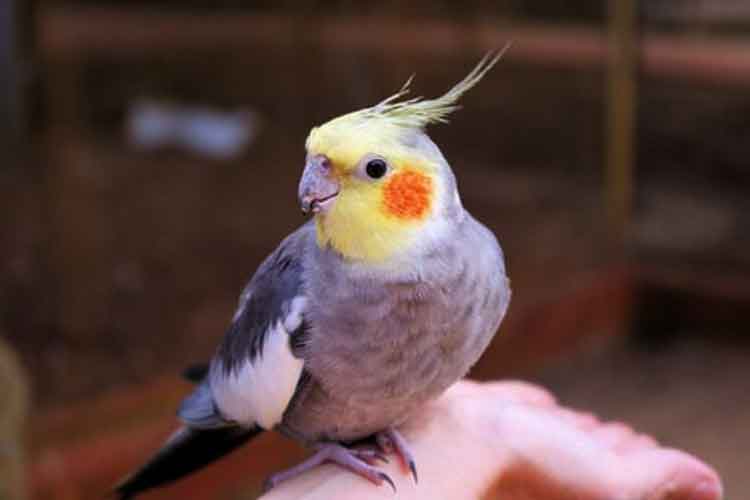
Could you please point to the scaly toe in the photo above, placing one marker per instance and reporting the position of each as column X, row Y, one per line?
column 370, row 455
column 349, row 459
column 358, row 461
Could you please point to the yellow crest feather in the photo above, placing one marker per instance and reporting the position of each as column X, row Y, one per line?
column 418, row 112
column 390, row 116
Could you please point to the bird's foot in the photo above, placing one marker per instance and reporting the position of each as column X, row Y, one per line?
column 392, row 441
column 359, row 461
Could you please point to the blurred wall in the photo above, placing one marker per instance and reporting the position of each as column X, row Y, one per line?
column 126, row 264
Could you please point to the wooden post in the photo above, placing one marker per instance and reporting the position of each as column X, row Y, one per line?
column 14, row 397
column 80, row 228
column 8, row 79
column 621, row 113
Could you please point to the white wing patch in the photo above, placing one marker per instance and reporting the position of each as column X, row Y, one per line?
column 297, row 308
column 259, row 391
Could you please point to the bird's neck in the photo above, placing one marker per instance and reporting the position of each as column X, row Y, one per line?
column 364, row 240
column 384, row 246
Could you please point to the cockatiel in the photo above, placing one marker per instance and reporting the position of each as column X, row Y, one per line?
column 376, row 306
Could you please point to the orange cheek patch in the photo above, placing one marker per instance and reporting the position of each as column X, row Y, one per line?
column 408, row 194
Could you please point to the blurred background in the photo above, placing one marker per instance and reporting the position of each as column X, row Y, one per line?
column 150, row 156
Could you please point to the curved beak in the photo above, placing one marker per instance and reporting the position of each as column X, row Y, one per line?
column 318, row 186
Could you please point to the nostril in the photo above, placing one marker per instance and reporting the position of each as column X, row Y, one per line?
column 323, row 162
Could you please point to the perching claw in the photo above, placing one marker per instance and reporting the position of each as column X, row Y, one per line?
column 352, row 459
column 392, row 440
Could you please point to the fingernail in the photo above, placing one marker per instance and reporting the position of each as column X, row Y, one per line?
column 709, row 490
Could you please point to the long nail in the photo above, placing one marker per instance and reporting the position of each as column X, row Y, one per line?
column 413, row 468
column 388, row 480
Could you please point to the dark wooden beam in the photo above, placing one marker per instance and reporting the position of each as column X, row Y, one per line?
column 67, row 35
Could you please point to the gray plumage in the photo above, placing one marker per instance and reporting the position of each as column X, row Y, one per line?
column 324, row 348
column 379, row 347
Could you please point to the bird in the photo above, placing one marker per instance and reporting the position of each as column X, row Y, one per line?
column 384, row 298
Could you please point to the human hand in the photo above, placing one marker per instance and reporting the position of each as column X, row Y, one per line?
column 512, row 441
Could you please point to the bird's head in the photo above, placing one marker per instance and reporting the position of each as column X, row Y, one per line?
column 377, row 185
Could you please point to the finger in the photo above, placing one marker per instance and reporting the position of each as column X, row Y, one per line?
column 636, row 443
column 644, row 441
column 613, row 435
column 665, row 474
column 521, row 392
column 563, row 457
column 581, row 420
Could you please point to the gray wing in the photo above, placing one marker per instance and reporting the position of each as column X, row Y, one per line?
column 255, row 371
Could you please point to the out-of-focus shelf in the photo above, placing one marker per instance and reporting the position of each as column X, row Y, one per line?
column 707, row 283
column 78, row 34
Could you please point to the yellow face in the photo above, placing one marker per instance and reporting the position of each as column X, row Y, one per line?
column 370, row 212
column 387, row 191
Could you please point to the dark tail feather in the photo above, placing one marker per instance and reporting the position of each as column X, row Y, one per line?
column 186, row 451
column 195, row 373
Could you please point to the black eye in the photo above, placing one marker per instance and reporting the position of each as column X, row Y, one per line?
column 376, row 168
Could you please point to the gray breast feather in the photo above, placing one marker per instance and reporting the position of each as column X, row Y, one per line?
column 255, row 371
column 382, row 344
